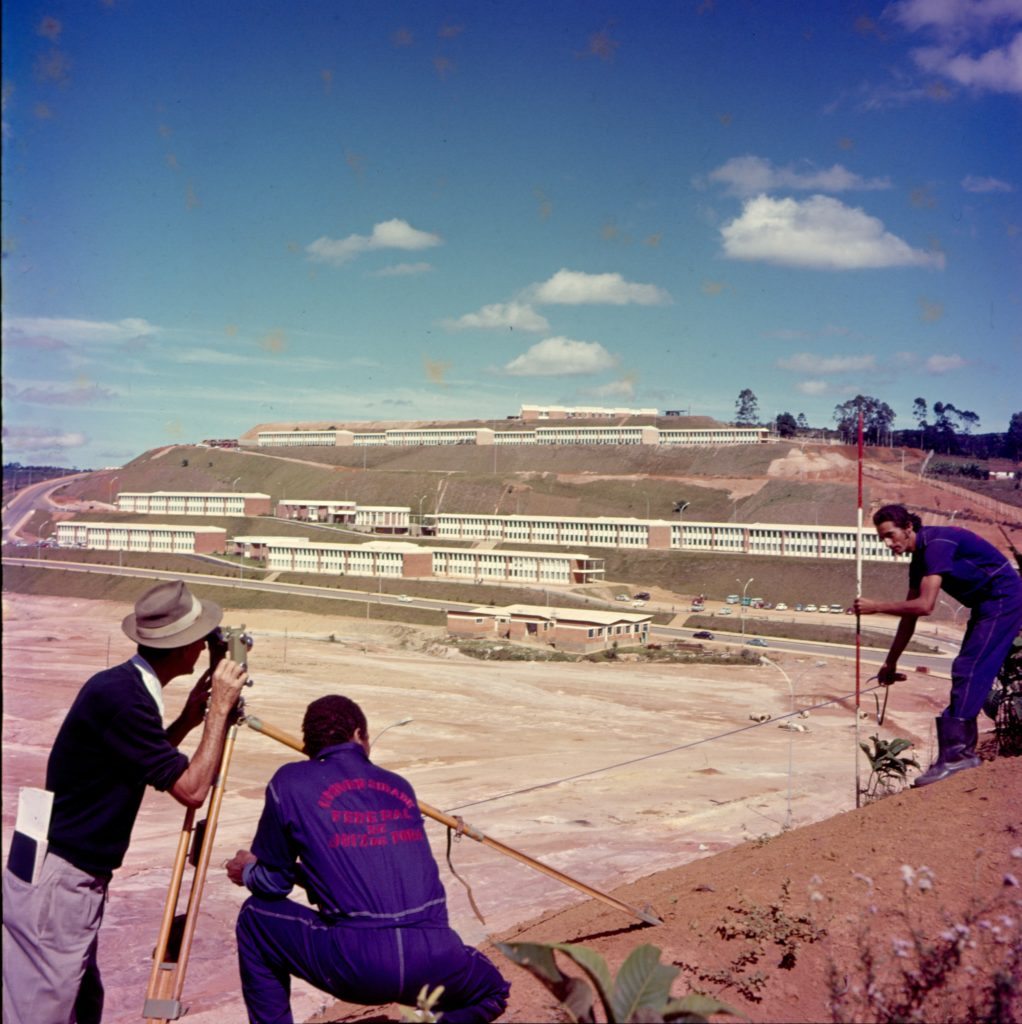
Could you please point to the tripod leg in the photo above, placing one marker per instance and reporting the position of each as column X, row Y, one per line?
column 166, row 983
column 157, row 1006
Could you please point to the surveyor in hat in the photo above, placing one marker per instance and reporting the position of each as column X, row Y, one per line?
column 351, row 835
column 975, row 574
column 111, row 745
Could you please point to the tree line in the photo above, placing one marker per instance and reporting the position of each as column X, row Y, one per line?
column 942, row 427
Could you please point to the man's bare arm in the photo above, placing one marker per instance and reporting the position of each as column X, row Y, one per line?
column 194, row 782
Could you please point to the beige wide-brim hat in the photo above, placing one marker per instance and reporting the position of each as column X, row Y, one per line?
column 169, row 615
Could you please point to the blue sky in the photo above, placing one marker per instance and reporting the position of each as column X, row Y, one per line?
column 221, row 213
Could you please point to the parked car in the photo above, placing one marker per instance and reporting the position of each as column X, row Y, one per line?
column 780, row 607
column 800, row 607
column 724, row 611
column 698, row 606
column 642, row 595
column 731, row 599
column 638, row 604
column 622, row 597
column 836, row 609
column 703, row 634
column 810, row 608
column 757, row 642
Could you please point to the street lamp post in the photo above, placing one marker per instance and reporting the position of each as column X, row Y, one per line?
column 234, row 482
column 110, row 489
column 745, row 587
column 791, row 715
column 393, row 725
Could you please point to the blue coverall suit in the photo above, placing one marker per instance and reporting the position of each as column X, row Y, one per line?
column 978, row 576
column 352, row 835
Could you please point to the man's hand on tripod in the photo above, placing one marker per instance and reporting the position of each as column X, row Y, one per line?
column 228, row 679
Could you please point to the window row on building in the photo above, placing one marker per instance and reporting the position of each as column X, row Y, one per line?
column 194, row 503
column 376, row 518
column 796, row 541
column 566, row 434
column 397, row 559
column 142, row 537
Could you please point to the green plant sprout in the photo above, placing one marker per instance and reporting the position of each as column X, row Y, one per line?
column 888, row 768
column 640, row 992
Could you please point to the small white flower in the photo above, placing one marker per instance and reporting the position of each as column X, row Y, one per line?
column 908, row 874
column 1017, row 853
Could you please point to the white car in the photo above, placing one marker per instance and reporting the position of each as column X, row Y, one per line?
column 621, row 597
column 810, row 608
column 638, row 604
column 724, row 611
column 403, row 597
column 781, row 607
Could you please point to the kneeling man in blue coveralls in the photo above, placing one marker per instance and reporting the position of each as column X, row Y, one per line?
column 352, row 836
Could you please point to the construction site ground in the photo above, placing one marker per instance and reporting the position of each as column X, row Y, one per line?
column 611, row 773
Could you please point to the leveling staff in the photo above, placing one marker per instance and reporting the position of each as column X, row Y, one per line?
column 111, row 746
column 352, row 835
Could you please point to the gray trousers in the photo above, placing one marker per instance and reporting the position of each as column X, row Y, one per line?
column 51, row 931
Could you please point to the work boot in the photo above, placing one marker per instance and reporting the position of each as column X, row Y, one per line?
column 956, row 749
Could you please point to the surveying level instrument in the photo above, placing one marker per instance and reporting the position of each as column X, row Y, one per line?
column 194, row 846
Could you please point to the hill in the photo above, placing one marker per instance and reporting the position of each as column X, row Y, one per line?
column 828, row 922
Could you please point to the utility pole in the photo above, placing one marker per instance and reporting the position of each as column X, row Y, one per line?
column 745, row 587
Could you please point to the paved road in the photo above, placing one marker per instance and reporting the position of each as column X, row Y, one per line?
column 871, row 658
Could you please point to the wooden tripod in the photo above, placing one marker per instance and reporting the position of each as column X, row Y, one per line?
column 174, row 944
column 473, row 833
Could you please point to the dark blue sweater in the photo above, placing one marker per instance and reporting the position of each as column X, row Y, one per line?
column 111, row 746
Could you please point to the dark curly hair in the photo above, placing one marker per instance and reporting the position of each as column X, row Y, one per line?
column 899, row 515
column 331, row 720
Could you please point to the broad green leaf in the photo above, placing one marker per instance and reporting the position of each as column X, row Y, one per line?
column 538, row 958
column 696, row 1008
column 642, row 982
column 594, row 965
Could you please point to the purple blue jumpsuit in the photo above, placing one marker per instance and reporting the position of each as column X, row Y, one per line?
column 352, row 835
column 978, row 576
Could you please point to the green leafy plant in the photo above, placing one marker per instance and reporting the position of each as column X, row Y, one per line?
column 888, row 768
column 640, row 992
column 758, row 928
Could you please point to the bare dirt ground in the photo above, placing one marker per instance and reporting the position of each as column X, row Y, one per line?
column 558, row 761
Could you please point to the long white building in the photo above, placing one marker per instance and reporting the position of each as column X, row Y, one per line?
column 564, row 434
column 402, row 559
column 779, row 539
column 194, row 503
column 168, row 538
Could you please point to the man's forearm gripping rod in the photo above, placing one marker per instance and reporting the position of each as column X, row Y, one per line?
column 473, row 833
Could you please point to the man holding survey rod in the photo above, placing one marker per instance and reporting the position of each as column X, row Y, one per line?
column 111, row 745
column 351, row 834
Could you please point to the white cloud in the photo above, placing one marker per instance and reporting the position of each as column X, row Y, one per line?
column 388, row 234
column 624, row 388
column 975, row 183
column 997, row 70
column 404, row 270
column 750, row 175
column 36, row 439
column 561, row 357
column 576, row 288
column 808, row 362
column 945, row 364
column 516, row 315
column 85, row 332
column 973, row 41
column 812, row 387
column 820, row 233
